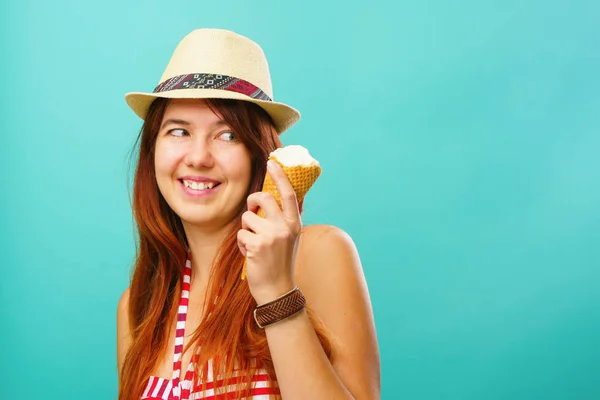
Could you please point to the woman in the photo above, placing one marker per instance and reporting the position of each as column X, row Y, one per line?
column 187, row 326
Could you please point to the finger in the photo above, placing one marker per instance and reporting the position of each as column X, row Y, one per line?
column 253, row 222
column 266, row 202
column 242, row 248
column 289, row 202
column 244, row 240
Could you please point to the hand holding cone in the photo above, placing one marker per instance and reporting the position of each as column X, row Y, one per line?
column 302, row 175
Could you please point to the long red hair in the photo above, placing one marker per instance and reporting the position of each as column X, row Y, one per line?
column 229, row 332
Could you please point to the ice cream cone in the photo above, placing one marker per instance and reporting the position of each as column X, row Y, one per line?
column 301, row 176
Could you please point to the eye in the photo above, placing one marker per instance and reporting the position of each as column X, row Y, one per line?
column 178, row 132
column 229, row 136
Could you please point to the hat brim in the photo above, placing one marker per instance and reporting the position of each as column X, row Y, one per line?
column 283, row 115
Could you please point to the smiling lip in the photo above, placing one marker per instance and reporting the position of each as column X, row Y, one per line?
column 197, row 179
column 198, row 193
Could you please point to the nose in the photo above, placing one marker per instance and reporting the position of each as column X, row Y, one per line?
column 199, row 154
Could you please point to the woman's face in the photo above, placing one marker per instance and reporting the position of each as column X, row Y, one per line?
column 202, row 168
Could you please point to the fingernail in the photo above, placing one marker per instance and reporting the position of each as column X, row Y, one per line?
column 270, row 165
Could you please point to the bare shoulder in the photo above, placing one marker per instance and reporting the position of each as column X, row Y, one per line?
column 313, row 234
column 326, row 243
column 123, row 330
column 327, row 255
column 330, row 274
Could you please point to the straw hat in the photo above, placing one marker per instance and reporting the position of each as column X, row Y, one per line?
column 216, row 63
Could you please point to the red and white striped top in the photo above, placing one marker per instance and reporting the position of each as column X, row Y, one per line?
column 176, row 389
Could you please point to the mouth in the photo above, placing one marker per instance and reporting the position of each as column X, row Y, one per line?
column 197, row 189
column 198, row 186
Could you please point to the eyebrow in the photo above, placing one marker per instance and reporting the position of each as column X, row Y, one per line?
column 176, row 121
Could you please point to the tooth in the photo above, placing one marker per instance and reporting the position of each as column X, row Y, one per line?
column 199, row 185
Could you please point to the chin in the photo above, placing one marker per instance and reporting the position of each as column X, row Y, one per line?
column 202, row 219
column 195, row 218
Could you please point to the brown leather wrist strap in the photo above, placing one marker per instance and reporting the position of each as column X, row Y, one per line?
column 279, row 309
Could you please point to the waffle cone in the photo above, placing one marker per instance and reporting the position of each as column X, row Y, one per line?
column 301, row 177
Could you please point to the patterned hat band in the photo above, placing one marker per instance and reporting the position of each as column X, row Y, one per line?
column 212, row 81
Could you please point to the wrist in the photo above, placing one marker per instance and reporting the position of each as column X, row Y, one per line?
column 271, row 292
column 279, row 309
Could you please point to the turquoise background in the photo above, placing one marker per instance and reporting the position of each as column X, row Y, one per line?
column 459, row 142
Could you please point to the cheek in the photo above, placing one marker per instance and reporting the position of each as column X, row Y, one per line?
column 166, row 159
column 238, row 165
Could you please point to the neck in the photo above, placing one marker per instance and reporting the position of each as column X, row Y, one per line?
column 204, row 243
